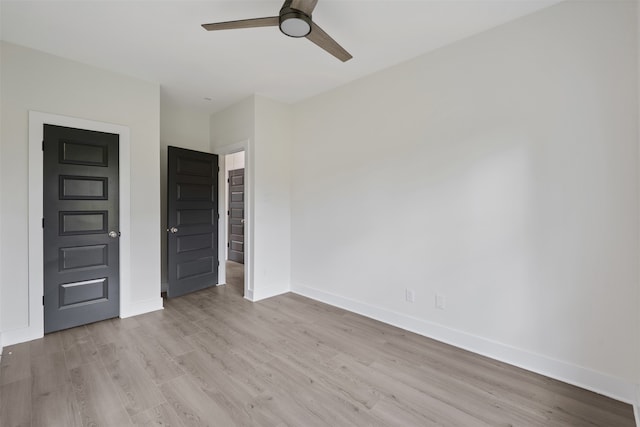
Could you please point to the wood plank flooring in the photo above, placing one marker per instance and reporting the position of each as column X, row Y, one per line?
column 214, row 359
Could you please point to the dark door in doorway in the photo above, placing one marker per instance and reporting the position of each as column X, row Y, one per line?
column 81, row 221
column 192, row 219
column 236, row 215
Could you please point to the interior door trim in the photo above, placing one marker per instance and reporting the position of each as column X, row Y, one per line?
column 37, row 120
column 247, row 147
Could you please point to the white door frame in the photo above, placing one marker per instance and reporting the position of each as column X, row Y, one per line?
column 37, row 120
column 248, row 214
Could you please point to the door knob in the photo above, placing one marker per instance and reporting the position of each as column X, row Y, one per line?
column 172, row 230
column 114, row 234
column 242, row 221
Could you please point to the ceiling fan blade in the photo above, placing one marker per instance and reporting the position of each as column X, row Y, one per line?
column 322, row 39
column 272, row 21
column 305, row 6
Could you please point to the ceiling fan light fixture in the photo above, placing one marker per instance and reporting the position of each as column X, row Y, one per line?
column 295, row 24
column 294, row 20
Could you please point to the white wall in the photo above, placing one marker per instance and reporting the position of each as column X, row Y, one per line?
column 272, row 198
column 264, row 126
column 33, row 80
column 637, row 405
column 232, row 130
column 500, row 172
column 234, row 161
column 179, row 127
column 233, row 124
column 1, row 286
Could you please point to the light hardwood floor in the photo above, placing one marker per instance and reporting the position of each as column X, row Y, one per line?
column 213, row 358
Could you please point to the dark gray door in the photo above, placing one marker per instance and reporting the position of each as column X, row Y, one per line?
column 81, row 250
column 236, row 215
column 192, row 221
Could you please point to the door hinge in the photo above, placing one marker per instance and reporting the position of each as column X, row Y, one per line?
column 42, row 299
column 228, row 213
column 43, row 145
column 227, row 179
column 42, row 222
column 228, row 244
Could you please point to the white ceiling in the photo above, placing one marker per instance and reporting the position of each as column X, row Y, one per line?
column 163, row 42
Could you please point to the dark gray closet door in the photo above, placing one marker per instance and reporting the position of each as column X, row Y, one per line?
column 81, row 248
column 192, row 221
column 236, row 215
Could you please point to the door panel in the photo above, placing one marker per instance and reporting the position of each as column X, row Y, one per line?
column 236, row 215
column 192, row 217
column 81, row 261
column 84, row 257
column 195, row 242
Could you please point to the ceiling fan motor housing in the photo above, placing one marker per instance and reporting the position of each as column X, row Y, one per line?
column 294, row 23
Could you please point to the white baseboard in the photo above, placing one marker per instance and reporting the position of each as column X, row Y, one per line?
column 257, row 295
column 141, row 307
column 636, row 407
column 582, row 377
column 18, row 336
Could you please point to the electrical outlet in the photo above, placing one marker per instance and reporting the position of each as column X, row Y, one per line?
column 409, row 296
column 440, row 302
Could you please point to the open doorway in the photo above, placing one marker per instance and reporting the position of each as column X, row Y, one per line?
column 235, row 210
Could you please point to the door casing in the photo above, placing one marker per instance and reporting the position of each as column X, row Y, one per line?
column 245, row 146
column 37, row 120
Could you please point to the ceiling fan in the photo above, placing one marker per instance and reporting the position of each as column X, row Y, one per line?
column 294, row 20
